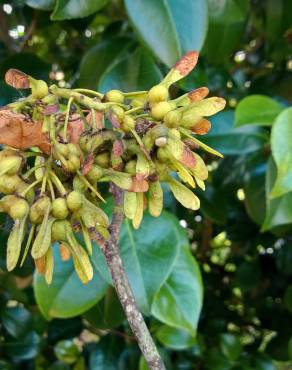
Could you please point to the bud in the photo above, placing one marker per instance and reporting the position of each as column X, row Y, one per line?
column 59, row 208
column 95, row 173
column 172, row 118
column 115, row 96
column 62, row 149
column 39, row 88
column 60, row 230
column 75, row 200
column 128, row 123
column 118, row 111
column 73, row 164
column 157, row 93
column 103, row 159
column 10, row 165
column 39, row 208
column 131, row 167
column 19, row 209
column 162, row 155
column 79, row 185
column 73, row 149
column 160, row 109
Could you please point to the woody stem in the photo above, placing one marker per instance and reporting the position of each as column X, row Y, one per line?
column 123, row 289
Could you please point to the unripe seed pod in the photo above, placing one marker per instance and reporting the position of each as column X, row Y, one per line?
column 60, row 228
column 103, row 159
column 174, row 133
column 162, row 155
column 9, row 183
column 39, row 88
column 38, row 209
column 63, row 149
column 59, row 208
column 128, row 123
column 131, row 167
column 158, row 93
column 75, row 200
column 160, row 109
column 172, row 118
column 73, row 149
column 79, row 185
column 95, row 173
column 115, row 96
column 10, row 165
column 135, row 103
column 73, row 163
column 118, row 111
column 19, row 209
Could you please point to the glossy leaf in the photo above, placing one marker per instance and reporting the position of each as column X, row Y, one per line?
column 226, row 22
column 281, row 141
column 99, row 58
column 230, row 346
column 25, row 349
column 17, row 321
column 169, row 28
column 149, row 257
column 41, row 4
column 257, row 110
column 175, row 338
column 134, row 72
column 68, row 9
column 178, row 303
column 234, row 141
column 279, row 210
column 59, row 299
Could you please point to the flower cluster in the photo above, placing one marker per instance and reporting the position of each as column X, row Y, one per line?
column 62, row 145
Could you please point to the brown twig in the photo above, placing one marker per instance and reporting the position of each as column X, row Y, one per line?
column 122, row 286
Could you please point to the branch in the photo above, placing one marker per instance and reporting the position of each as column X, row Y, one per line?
column 121, row 284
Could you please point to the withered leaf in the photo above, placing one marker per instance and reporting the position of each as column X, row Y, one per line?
column 20, row 133
column 17, row 79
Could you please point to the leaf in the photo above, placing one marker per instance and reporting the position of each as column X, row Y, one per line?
column 179, row 301
column 279, row 210
column 60, row 299
column 69, row 9
column 174, row 338
column 176, row 28
column 233, row 141
column 257, row 110
column 19, row 133
column 230, row 346
column 97, row 59
column 25, row 349
column 149, row 257
column 281, row 142
column 134, row 72
column 17, row 321
column 226, row 23
column 41, row 4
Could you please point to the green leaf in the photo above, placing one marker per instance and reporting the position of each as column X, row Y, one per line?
column 134, row 72
column 226, row 24
column 257, row 110
column 97, row 59
column 281, row 142
column 230, row 346
column 60, row 299
column 149, row 254
column 234, row 141
column 174, row 338
column 108, row 313
column 263, row 362
column 67, row 351
column 17, row 321
column 24, row 349
column 169, row 28
column 69, row 9
column 178, row 303
column 279, row 210
column 41, row 4
column 215, row 360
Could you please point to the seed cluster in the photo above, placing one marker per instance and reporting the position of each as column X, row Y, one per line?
column 136, row 141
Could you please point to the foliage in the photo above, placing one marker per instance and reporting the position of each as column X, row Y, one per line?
column 240, row 240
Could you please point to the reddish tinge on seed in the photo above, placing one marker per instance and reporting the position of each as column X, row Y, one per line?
column 187, row 63
column 202, row 127
column 188, row 159
column 198, row 94
column 17, row 79
column 118, row 148
column 139, row 185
